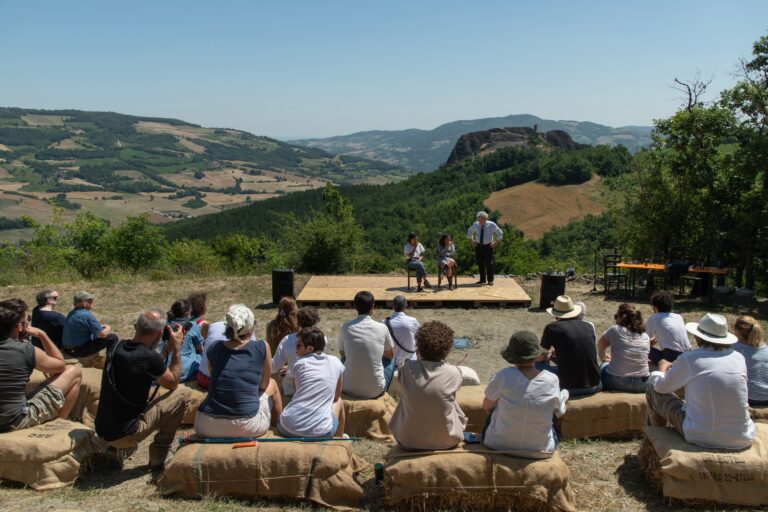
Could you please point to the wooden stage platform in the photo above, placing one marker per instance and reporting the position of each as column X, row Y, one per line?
column 335, row 290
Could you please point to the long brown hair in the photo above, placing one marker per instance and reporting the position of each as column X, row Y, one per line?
column 630, row 318
column 284, row 322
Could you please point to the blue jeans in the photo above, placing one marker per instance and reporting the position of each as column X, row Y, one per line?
column 389, row 371
column 624, row 384
column 573, row 393
column 418, row 266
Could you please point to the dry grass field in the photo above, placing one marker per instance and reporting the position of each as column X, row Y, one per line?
column 535, row 208
column 605, row 475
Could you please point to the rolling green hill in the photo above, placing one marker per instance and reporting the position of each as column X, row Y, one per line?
column 425, row 150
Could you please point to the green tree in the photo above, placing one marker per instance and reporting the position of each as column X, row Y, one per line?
column 88, row 238
column 137, row 245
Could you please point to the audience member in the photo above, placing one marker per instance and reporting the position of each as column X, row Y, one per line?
column 446, row 250
column 755, row 352
column 666, row 330
column 427, row 416
column 715, row 413
column 216, row 334
column 45, row 318
column 18, row 357
column 283, row 324
column 626, row 367
column 199, row 304
column 192, row 346
column 367, row 351
column 286, row 354
column 571, row 345
column 520, row 400
column 402, row 328
column 83, row 335
column 127, row 414
column 414, row 254
column 317, row 410
column 242, row 398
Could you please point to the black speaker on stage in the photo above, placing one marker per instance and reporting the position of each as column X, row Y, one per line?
column 552, row 285
column 282, row 284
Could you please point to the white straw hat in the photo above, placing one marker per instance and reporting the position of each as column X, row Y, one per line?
column 712, row 328
column 564, row 308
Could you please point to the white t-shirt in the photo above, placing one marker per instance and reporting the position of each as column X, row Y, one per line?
column 364, row 341
column 310, row 413
column 405, row 328
column 669, row 330
column 285, row 355
column 522, row 419
column 417, row 252
column 716, row 410
column 215, row 333
column 629, row 352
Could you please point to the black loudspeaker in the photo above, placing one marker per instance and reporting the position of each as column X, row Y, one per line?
column 282, row 284
column 552, row 285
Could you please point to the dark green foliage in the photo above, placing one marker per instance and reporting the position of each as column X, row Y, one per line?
column 17, row 223
column 61, row 201
column 195, row 202
column 11, row 136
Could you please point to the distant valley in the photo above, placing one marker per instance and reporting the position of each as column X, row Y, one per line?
column 425, row 150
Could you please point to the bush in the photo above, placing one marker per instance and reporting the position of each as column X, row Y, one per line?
column 137, row 245
column 193, row 257
column 244, row 254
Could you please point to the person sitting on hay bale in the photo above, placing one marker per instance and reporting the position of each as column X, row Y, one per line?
column 283, row 324
column 286, row 355
column 316, row 410
column 666, row 329
column 127, row 414
column 571, row 344
column 625, row 369
column 192, row 346
column 714, row 413
column 45, row 318
column 427, row 416
column 403, row 330
column 520, row 400
column 755, row 353
column 199, row 304
column 18, row 357
column 367, row 351
column 83, row 335
column 216, row 334
column 242, row 398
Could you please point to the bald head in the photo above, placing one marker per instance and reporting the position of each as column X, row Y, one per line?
column 150, row 322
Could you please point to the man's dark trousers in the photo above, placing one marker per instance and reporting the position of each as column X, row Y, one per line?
column 484, row 258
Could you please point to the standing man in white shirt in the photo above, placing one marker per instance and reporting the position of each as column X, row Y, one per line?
column 485, row 235
column 715, row 413
column 367, row 352
column 403, row 330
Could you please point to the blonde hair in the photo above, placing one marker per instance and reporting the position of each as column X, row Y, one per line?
column 748, row 330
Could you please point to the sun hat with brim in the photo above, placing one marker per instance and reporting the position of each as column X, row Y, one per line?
column 564, row 308
column 523, row 347
column 712, row 328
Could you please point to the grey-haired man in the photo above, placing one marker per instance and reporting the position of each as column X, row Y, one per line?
column 485, row 235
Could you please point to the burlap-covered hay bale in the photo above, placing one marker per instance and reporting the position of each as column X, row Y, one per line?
column 759, row 414
column 688, row 472
column 472, row 477
column 88, row 398
column 369, row 418
column 47, row 456
column 320, row 472
column 605, row 414
column 96, row 360
column 196, row 397
column 470, row 399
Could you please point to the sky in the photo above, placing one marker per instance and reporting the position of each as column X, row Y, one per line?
column 311, row 68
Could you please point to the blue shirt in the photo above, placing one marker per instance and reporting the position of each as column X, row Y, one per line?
column 235, row 380
column 80, row 328
column 757, row 370
column 190, row 358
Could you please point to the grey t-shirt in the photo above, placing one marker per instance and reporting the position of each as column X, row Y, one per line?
column 629, row 352
column 364, row 341
column 669, row 330
column 17, row 360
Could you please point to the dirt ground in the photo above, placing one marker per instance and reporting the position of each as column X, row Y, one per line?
column 605, row 475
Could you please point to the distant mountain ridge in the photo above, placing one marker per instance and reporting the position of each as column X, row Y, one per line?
column 487, row 141
column 425, row 150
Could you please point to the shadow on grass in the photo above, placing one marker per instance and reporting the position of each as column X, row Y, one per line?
column 631, row 478
column 102, row 477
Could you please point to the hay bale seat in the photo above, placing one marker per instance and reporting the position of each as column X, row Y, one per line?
column 320, row 472
column 759, row 414
column 606, row 415
column 196, row 397
column 696, row 475
column 369, row 418
column 470, row 399
column 47, row 456
column 87, row 403
column 472, row 477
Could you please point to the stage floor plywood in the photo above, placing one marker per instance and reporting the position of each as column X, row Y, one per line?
column 326, row 290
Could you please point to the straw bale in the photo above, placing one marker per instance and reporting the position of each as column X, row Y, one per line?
column 605, row 414
column 369, row 418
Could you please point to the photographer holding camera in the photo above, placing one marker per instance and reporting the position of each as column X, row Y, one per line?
column 127, row 412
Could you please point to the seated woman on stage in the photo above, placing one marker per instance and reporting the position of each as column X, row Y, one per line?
column 626, row 367
column 427, row 416
column 445, row 262
column 414, row 253
column 242, row 397
column 755, row 352
column 520, row 400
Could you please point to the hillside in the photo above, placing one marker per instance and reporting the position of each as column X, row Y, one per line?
column 425, row 150
column 487, row 141
column 117, row 165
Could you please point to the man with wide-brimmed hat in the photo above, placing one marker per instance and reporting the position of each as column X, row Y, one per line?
column 714, row 413
column 571, row 344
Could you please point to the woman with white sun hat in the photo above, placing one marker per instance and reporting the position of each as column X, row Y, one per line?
column 715, row 413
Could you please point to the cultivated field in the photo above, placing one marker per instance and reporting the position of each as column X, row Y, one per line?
column 535, row 208
column 605, row 475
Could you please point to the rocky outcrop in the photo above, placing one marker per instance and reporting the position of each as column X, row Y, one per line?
column 488, row 141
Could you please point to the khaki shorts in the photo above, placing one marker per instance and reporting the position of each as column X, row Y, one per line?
column 44, row 405
column 255, row 426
